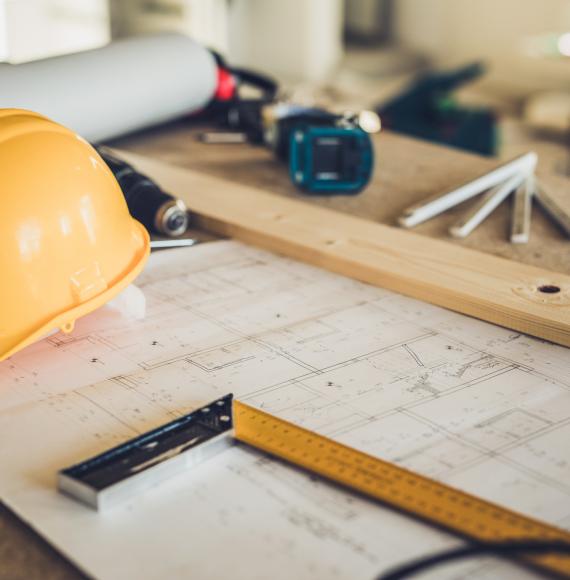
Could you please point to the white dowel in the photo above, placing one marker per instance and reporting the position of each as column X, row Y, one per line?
column 521, row 213
column 434, row 205
column 490, row 201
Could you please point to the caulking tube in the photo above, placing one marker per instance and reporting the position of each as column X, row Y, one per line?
column 110, row 91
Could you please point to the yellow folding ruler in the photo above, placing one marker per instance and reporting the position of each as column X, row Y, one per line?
column 120, row 473
column 422, row 497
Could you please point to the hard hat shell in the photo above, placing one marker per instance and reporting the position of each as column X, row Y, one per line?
column 67, row 241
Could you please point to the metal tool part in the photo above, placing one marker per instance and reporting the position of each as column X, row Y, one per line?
column 171, row 218
column 150, row 458
column 141, row 463
column 369, row 121
column 158, row 211
column 176, row 243
column 223, row 137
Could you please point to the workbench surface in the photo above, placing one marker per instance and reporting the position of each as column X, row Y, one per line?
column 406, row 171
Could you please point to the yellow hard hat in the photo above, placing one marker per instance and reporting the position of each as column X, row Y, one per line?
column 67, row 241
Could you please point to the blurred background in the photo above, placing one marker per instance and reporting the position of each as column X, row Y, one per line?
column 359, row 53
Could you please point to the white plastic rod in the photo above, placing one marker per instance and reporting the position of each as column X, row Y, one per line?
column 521, row 213
column 434, row 205
column 489, row 202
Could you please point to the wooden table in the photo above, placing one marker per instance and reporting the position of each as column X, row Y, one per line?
column 406, row 171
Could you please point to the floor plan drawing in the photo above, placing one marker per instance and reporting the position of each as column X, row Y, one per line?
column 465, row 402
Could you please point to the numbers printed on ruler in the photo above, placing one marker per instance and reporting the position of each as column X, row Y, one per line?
column 415, row 494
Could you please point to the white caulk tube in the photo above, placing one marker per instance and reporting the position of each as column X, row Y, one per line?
column 107, row 92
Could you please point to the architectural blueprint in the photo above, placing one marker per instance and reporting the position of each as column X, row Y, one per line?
column 479, row 407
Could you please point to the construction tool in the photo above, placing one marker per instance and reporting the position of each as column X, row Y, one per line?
column 150, row 458
column 515, row 176
column 326, row 152
column 176, row 243
column 158, row 211
column 158, row 78
column 427, row 109
column 122, row 472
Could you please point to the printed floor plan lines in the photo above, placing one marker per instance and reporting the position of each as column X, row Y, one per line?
column 474, row 405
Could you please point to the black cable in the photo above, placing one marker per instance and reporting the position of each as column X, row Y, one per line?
column 508, row 549
column 268, row 85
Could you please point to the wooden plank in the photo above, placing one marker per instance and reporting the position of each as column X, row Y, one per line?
column 517, row 296
column 406, row 172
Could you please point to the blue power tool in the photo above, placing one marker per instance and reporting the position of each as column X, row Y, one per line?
column 327, row 153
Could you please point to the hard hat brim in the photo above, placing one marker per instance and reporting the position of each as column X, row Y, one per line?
column 65, row 321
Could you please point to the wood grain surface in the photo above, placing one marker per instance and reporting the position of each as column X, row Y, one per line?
column 407, row 171
column 24, row 555
column 488, row 287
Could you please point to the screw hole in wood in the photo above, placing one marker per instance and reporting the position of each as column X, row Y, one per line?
column 549, row 289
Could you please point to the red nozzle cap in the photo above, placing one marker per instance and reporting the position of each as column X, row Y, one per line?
column 226, row 88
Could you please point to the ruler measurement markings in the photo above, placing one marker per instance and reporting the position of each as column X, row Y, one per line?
column 427, row 499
